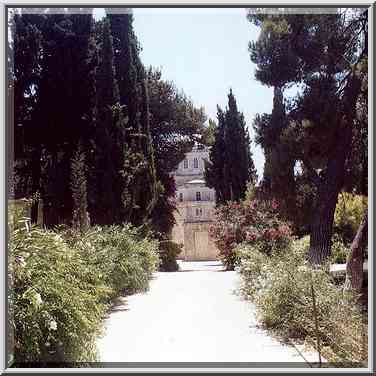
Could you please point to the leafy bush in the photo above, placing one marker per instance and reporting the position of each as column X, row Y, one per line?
column 339, row 250
column 124, row 259
column 253, row 222
column 281, row 287
column 56, row 304
column 62, row 284
column 168, row 251
column 349, row 214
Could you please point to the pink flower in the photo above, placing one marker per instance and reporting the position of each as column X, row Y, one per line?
column 284, row 230
column 275, row 204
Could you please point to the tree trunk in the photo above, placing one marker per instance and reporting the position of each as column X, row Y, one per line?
column 35, row 176
column 327, row 195
column 354, row 267
column 331, row 183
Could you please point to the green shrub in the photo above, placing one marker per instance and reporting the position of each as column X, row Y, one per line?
column 56, row 304
column 124, row 259
column 168, row 251
column 339, row 250
column 349, row 214
column 281, row 288
column 62, row 284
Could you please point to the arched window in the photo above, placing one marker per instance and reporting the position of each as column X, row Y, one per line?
column 198, row 196
column 198, row 212
column 185, row 163
column 195, row 163
column 180, row 196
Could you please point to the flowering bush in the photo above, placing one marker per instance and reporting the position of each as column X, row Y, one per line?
column 255, row 223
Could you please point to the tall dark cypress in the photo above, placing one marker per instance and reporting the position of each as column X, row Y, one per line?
column 236, row 150
column 105, row 203
column 215, row 167
column 24, row 77
column 231, row 166
column 66, row 107
column 140, row 193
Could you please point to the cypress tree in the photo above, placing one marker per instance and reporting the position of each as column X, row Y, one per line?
column 140, row 193
column 109, row 138
column 78, row 186
column 215, row 167
column 236, row 150
column 66, row 105
column 24, row 77
column 231, row 166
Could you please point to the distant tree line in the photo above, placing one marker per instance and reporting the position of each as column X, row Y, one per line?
column 95, row 133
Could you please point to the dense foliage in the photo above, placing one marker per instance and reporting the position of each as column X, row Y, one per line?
column 324, row 57
column 131, row 126
column 254, row 222
column 281, row 286
column 62, row 283
column 230, row 166
column 108, row 159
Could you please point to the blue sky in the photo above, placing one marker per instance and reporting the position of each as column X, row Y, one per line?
column 205, row 52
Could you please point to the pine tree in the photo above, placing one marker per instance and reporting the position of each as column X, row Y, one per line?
column 278, row 180
column 327, row 52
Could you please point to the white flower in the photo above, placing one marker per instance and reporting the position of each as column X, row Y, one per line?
column 53, row 325
column 21, row 261
column 303, row 268
column 38, row 298
column 47, row 344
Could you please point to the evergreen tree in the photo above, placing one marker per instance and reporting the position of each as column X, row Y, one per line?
column 278, row 180
column 66, row 106
column 24, row 76
column 215, row 167
column 138, row 167
column 231, row 166
column 327, row 60
column 107, row 182
column 78, row 186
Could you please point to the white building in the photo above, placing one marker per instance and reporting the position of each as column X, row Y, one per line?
column 195, row 207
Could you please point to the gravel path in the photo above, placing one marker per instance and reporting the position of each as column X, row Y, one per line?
column 190, row 316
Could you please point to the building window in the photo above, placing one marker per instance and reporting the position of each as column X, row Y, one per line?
column 185, row 163
column 180, row 197
column 195, row 163
column 198, row 212
column 198, row 196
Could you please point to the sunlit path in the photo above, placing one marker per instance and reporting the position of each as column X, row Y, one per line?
column 190, row 316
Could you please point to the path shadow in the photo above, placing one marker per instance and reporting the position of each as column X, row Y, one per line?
column 119, row 304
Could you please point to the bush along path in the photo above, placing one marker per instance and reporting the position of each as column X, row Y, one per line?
column 297, row 301
column 62, row 284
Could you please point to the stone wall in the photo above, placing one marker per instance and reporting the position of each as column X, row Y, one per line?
column 197, row 243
